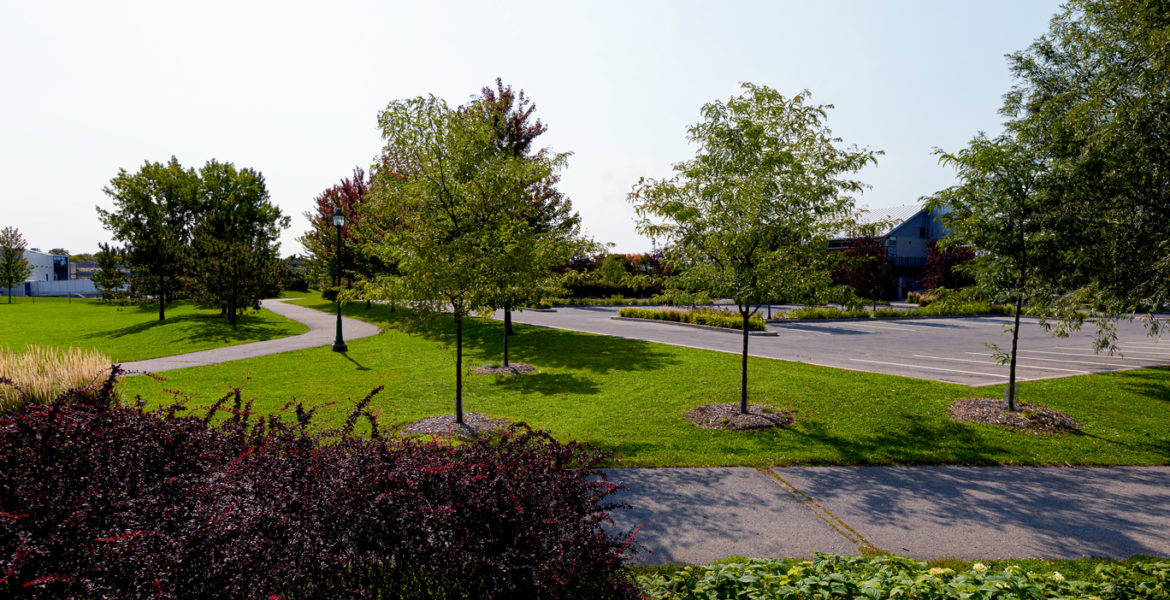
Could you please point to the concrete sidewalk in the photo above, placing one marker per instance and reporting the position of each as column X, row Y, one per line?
column 322, row 330
column 700, row 515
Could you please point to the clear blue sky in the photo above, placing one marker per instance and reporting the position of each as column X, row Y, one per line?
column 293, row 90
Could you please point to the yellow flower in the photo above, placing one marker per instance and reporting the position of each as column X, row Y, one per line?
column 979, row 568
column 939, row 571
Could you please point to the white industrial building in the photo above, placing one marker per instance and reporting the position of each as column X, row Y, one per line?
column 51, row 277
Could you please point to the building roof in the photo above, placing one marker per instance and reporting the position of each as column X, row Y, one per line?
column 896, row 215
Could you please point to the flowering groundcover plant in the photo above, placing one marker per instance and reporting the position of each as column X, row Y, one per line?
column 104, row 500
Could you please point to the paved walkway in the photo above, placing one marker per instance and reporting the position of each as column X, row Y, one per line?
column 322, row 330
column 700, row 515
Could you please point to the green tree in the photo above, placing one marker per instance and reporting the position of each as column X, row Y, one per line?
column 447, row 192
column 235, row 259
column 14, row 269
column 153, row 213
column 108, row 278
column 999, row 209
column 59, row 252
column 528, row 275
column 750, row 215
column 1092, row 96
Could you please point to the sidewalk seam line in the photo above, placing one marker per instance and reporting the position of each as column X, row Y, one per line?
column 809, row 503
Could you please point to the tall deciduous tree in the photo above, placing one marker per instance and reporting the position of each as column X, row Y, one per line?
column 1093, row 96
column 14, row 269
column 527, row 273
column 749, row 216
column 447, row 191
column 108, row 278
column 942, row 267
column 153, row 212
column 235, row 260
column 320, row 241
column 999, row 208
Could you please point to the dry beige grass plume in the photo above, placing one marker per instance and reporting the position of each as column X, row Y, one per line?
column 39, row 374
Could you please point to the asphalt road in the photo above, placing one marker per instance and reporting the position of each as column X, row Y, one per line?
column 953, row 350
column 700, row 515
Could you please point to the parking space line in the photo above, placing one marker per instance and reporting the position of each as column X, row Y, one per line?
column 879, row 362
column 1125, row 351
column 1081, row 355
column 1061, row 360
column 1018, row 366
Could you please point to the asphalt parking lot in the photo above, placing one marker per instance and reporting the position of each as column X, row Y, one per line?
column 953, row 350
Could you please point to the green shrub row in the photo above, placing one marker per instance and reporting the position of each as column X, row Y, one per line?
column 714, row 318
column 934, row 310
column 829, row 576
column 611, row 301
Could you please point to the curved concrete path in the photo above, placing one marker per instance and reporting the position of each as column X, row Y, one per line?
column 322, row 329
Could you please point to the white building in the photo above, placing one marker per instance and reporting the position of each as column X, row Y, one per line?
column 50, row 277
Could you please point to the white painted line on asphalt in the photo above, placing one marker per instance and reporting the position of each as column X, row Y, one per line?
column 876, row 326
column 879, row 362
column 1018, row 366
column 1061, row 360
column 1081, row 355
column 1161, row 351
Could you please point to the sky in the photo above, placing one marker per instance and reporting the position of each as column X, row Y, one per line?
column 293, row 89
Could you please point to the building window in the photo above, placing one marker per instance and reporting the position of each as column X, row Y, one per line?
column 921, row 232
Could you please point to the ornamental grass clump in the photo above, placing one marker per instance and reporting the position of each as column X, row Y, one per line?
column 104, row 500
column 40, row 374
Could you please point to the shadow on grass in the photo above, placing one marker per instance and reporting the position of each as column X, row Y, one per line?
column 539, row 346
column 909, row 440
column 1153, row 383
column 210, row 328
column 548, row 384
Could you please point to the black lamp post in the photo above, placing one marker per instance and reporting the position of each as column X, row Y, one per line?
column 338, row 222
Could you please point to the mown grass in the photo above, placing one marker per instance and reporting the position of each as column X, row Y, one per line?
column 129, row 333
column 629, row 397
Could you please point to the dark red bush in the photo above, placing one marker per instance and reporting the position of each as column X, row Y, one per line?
column 99, row 500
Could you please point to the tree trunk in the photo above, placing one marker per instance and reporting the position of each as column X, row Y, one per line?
column 505, row 341
column 232, row 311
column 458, row 368
column 743, row 395
column 508, row 321
column 1009, row 394
column 162, row 300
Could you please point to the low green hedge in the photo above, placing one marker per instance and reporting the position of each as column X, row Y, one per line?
column 829, row 576
column 611, row 301
column 934, row 310
column 713, row 318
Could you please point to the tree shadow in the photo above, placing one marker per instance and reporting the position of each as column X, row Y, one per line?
column 542, row 347
column 911, row 441
column 211, row 328
column 815, row 328
column 548, row 384
column 1151, row 382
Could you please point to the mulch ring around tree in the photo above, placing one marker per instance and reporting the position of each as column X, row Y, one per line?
column 513, row 368
column 1029, row 417
column 474, row 425
column 727, row 416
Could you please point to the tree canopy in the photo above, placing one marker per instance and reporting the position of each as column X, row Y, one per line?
column 14, row 269
column 749, row 216
column 450, row 195
column 1092, row 96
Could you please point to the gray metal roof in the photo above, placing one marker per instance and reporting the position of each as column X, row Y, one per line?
column 897, row 215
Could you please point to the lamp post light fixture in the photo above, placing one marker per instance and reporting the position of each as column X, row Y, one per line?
column 339, row 222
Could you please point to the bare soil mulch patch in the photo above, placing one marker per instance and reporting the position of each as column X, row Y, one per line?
column 513, row 368
column 727, row 416
column 1028, row 417
column 474, row 425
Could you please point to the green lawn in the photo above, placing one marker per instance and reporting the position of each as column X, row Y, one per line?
column 129, row 333
column 629, row 396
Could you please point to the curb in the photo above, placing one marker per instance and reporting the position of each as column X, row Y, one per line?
column 695, row 326
column 884, row 319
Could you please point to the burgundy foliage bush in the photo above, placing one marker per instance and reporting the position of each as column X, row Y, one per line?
column 99, row 500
